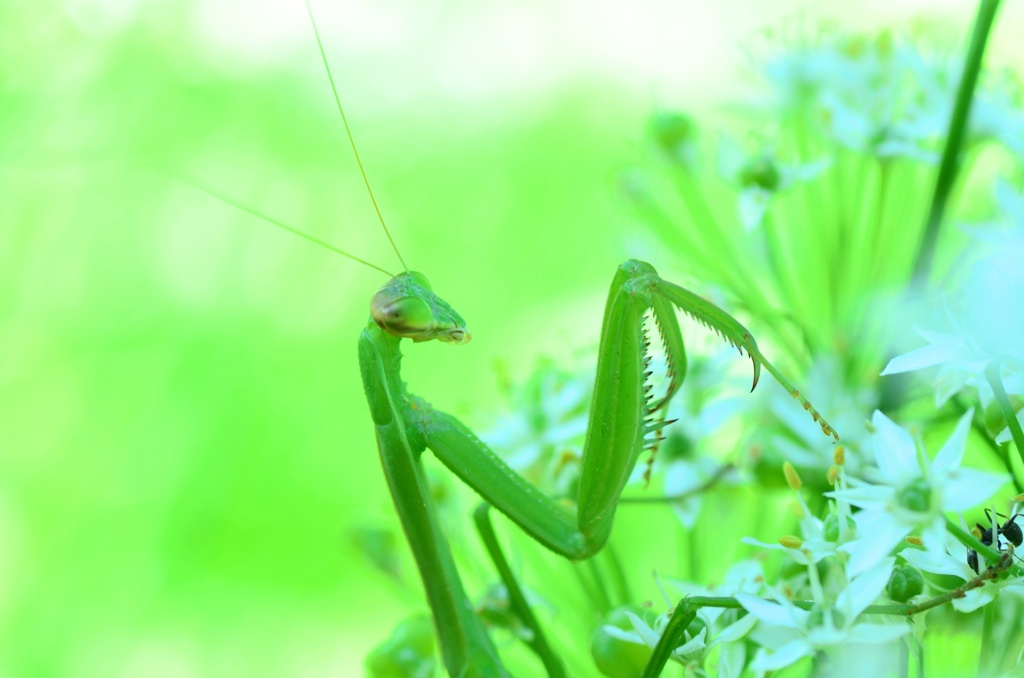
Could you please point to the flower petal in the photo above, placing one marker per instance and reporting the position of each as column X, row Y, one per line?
column 894, row 450
column 920, row 358
column 966, row 488
column 694, row 644
column 878, row 633
column 864, row 589
column 736, row 630
column 732, row 660
column 783, row 657
column 936, row 562
column 649, row 637
column 974, row 599
column 769, row 613
column 952, row 452
column 871, row 549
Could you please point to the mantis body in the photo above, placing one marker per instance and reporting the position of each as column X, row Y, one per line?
column 624, row 421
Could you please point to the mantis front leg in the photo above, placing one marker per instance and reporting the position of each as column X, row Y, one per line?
column 622, row 418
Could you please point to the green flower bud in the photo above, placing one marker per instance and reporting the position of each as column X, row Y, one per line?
column 995, row 422
column 917, row 496
column 676, row 446
column 617, row 658
column 495, row 611
column 407, row 653
column 832, row 527
column 695, row 627
column 672, row 131
column 905, row 583
column 760, row 172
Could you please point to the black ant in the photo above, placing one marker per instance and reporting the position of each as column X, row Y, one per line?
column 1010, row 529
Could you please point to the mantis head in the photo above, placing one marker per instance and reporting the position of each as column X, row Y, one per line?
column 407, row 307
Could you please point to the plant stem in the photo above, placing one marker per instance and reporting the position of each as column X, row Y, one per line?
column 972, row 542
column 986, row 665
column 625, row 593
column 954, row 140
column 996, row 382
column 1001, row 451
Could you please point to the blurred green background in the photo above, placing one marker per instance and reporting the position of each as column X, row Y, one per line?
column 184, row 444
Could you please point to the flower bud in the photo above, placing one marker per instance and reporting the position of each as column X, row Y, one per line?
column 760, row 172
column 673, row 132
column 791, row 542
column 833, row 474
column 792, row 477
column 905, row 583
column 495, row 611
column 994, row 420
column 409, row 651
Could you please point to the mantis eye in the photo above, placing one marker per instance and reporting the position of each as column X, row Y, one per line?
column 404, row 317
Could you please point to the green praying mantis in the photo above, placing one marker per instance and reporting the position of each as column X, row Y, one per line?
column 625, row 420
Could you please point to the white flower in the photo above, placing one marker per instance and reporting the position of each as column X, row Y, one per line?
column 746, row 576
column 910, row 492
column 645, row 634
column 983, row 314
column 814, row 544
column 792, row 633
column 725, row 625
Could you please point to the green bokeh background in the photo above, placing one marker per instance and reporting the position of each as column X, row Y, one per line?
column 183, row 438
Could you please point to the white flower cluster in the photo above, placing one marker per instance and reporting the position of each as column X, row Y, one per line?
column 847, row 560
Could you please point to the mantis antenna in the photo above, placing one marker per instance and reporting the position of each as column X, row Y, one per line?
column 256, row 213
column 348, row 131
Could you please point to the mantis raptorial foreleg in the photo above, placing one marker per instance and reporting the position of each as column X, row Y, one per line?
column 622, row 418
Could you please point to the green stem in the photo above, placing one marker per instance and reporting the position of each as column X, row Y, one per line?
column 672, row 637
column 954, row 139
column 537, row 642
column 970, row 541
column 603, row 601
column 996, row 382
column 1001, row 451
column 986, row 665
column 625, row 593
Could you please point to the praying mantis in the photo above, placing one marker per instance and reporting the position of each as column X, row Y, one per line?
column 625, row 420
